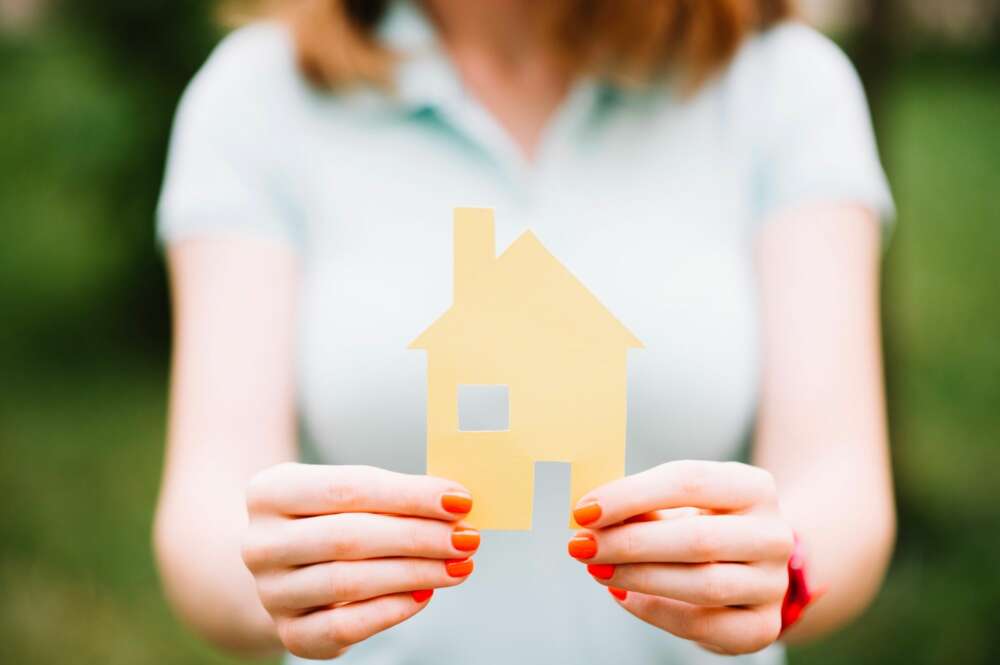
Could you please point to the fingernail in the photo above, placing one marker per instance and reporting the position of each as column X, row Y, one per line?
column 617, row 593
column 422, row 594
column 466, row 540
column 458, row 567
column 587, row 513
column 602, row 571
column 456, row 503
column 582, row 547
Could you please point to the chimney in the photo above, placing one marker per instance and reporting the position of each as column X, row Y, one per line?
column 474, row 248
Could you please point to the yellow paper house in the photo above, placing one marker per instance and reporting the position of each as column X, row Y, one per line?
column 523, row 326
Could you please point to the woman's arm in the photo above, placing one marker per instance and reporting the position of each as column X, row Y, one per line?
column 822, row 427
column 717, row 574
column 231, row 414
column 257, row 553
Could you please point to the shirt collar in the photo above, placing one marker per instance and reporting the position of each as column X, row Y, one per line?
column 423, row 77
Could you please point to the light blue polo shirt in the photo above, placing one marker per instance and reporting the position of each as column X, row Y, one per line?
column 651, row 199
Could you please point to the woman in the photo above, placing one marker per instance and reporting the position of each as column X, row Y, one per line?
column 706, row 168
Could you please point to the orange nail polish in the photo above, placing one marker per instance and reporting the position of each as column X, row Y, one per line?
column 456, row 503
column 582, row 547
column 421, row 595
column 466, row 540
column 458, row 567
column 588, row 513
column 602, row 571
column 617, row 593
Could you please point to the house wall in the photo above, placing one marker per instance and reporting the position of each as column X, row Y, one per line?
column 566, row 404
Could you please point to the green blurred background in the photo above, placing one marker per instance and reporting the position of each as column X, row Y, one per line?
column 87, row 91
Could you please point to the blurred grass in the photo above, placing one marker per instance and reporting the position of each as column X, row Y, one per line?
column 83, row 370
column 79, row 466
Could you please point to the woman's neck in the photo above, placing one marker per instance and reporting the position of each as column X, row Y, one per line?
column 504, row 62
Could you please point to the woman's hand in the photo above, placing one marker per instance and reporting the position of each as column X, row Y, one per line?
column 340, row 553
column 714, row 570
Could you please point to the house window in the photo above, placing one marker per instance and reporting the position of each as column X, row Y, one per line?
column 483, row 408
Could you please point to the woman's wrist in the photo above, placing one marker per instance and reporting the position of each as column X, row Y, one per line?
column 799, row 594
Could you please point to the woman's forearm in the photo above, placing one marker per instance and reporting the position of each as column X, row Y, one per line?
column 231, row 415
column 821, row 428
column 846, row 523
column 197, row 538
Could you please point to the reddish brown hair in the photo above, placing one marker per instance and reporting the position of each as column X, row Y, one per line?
column 628, row 41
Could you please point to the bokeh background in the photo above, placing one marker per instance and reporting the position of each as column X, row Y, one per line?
column 87, row 91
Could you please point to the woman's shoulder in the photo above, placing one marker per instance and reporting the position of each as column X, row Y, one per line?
column 789, row 73
column 794, row 37
column 800, row 104
column 793, row 56
column 234, row 140
column 253, row 62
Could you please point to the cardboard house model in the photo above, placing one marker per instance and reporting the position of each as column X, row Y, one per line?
column 526, row 366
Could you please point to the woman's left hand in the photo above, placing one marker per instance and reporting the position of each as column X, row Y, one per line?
column 711, row 568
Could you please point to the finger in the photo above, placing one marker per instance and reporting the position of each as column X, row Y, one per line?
column 698, row 539
column 721, row 486
column 709, row 585
column 349, row 581
column 665, row 514
column 326, row 633
column 729, row 630
column 316, row 489
column 353, row 536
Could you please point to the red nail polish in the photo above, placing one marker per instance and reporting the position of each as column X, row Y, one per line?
column 458, row 567
column 456, row 503
column 582, row 547
column 587, row 514
column 617, row 593
column 602, row 571
column 466, row 540
column 421, row 595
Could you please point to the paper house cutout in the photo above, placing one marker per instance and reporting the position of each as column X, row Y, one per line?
column 522, row 320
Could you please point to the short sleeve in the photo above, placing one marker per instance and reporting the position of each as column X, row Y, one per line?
column 818, row 144
column 229, row 167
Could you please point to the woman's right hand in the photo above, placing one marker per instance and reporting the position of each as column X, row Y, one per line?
column 340, row 553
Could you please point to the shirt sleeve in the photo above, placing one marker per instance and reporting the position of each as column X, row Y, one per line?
column 228, row 167
column 818, row 144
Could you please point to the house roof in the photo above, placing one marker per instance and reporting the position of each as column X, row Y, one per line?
column 527, row 291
